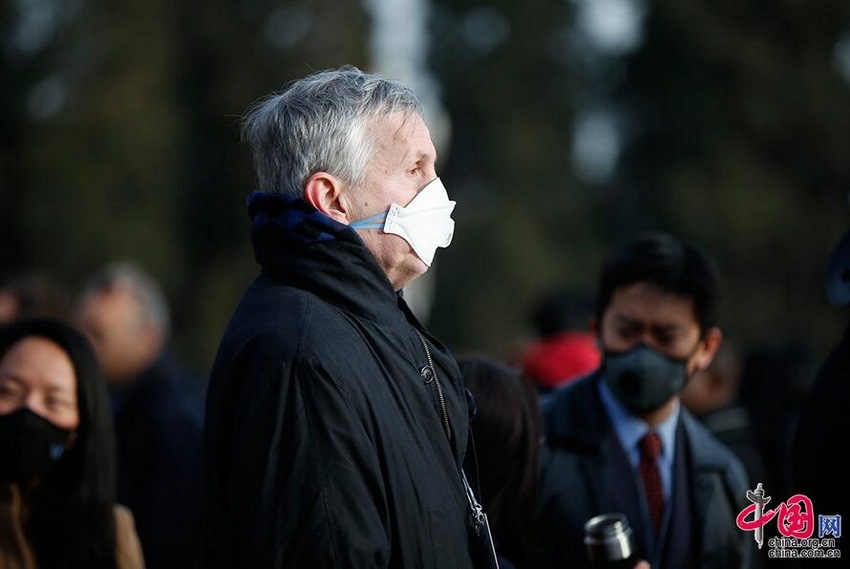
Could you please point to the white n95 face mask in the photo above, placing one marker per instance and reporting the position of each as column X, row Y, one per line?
column 425, row 223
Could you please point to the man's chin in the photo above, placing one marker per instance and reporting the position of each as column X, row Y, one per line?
column 419, row 267
column 409, row 272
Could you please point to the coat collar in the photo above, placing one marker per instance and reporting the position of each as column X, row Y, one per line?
column 295, row 243
column 702, row 446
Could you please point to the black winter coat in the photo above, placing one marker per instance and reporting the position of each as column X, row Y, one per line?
column 325, row 441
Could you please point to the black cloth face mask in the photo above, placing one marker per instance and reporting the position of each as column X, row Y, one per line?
column 30, row 445
column 643, row 379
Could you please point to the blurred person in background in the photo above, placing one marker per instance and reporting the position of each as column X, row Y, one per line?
column 565, row 348
column 712, row 395
column 505, row 444
column 336, row 425
column 619, row 440
column 502, row 455
column 32, row 294
column 775, row 380
column 818, row 467
column 57, row 489
column 157, row 405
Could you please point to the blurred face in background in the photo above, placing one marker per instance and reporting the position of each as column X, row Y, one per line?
column 642, row 313
column 123, row 339
column 8, row 306
column 653, row 344
column 38, row 374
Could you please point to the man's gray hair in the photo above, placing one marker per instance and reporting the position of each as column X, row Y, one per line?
column 318, row 124
column 127, row 276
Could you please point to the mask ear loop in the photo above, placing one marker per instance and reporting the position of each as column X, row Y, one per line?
column 373, row 222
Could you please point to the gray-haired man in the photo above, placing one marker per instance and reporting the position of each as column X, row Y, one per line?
column 336, row 425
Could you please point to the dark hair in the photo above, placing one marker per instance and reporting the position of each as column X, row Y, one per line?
column 669, row 264
column 506, row 438
column 37, row 295
column 71, row 523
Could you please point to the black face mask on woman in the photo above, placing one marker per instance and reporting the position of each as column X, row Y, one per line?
column 642, row 378
column 30, row 445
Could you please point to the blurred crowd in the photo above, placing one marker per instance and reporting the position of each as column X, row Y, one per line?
column 749, row 398
column 155, row 403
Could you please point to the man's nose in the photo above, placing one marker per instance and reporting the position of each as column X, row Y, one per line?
column 647, row 339
column 31, row 402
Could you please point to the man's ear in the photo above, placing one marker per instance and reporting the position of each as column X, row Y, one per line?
column 708, row 348
column 323, row 191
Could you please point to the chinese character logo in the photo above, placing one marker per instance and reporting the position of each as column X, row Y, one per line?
column 794, row 517
column 829, row 525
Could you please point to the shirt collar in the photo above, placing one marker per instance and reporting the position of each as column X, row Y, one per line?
column 630, row 429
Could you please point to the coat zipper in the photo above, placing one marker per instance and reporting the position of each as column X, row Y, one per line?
column 476, row 512
column 440, row 395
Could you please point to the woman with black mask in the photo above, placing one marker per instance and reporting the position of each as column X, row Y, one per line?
column 57, row 488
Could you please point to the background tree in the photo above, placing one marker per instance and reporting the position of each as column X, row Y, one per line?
column 120, row 138
column 739, row 137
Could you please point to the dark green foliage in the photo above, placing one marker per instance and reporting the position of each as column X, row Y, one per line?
column 119, row 138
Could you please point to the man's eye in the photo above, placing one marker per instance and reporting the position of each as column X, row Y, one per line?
column 59, row 403
column 670, row 338
column 8, row 391
column 626, row 332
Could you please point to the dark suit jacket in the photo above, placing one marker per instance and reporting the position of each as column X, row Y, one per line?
column 159, row 432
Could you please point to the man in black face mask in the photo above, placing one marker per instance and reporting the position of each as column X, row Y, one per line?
column 619, row 441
